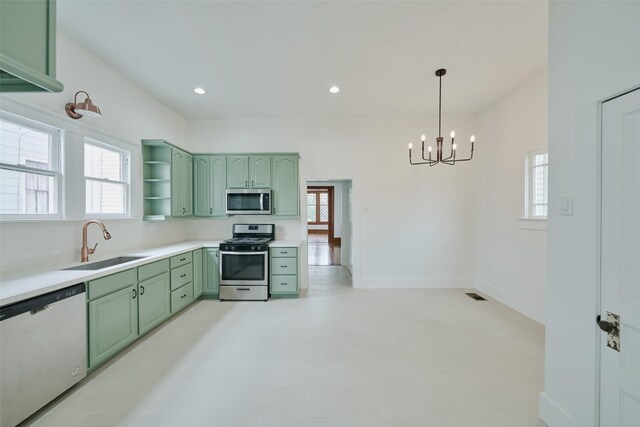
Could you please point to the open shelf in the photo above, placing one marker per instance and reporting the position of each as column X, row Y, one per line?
column 156, row 162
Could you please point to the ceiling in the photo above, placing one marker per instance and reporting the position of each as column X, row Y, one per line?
column 277, row 58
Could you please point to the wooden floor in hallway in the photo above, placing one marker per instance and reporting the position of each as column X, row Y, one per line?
column 321, row 251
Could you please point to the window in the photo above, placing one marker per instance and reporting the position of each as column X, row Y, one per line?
column 537, row 184
column 29, row 169
column 318, row 206
column 106, row 172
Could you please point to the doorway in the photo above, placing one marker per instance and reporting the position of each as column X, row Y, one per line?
column 324, row 246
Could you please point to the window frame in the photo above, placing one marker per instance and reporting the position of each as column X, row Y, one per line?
column 125, row 169
column 56, row 155
column 317, row 192
column 530, row 182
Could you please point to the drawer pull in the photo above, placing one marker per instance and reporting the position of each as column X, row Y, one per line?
column 283, row 252
column 182, row 259
column 183, row 296
column 243, row 289
column 183, row 275
column 284, row 266
column 283, row 284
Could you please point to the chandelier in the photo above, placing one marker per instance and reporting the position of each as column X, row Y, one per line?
column 439, row 156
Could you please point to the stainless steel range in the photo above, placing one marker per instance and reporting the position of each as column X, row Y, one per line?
column 244, row 263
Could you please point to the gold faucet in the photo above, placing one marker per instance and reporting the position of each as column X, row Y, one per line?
column 86, row 251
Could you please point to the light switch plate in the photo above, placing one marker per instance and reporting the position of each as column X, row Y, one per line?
column 566, row 205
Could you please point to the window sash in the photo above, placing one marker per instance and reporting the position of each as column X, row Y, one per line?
column 317, row 220
column 537, row 179
column 125, row 182
column 55, row 171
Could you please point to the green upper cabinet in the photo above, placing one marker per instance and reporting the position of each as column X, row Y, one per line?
column 285, row 185
column 209, row 185
column 181, row 183
column 237, row 172
column 260, row 171
column 249, row 172
column 28, row 46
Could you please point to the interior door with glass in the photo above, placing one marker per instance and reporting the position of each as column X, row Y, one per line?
column 620, row 263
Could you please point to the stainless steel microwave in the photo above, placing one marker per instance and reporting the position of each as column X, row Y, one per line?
column 248, row 202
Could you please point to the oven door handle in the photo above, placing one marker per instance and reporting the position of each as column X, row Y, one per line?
column 261, row 201
column 243, row 253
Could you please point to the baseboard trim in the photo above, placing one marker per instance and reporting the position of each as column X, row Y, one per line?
column 512, row 301
column 417, row 283
column 552, row 414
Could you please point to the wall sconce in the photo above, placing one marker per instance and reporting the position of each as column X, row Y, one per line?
column 75, row 109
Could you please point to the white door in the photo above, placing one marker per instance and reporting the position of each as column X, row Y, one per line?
column 620, row 268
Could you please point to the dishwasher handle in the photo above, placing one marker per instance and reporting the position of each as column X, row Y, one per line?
column 40, row 303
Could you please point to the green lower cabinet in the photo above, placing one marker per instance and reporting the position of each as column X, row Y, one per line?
column 198, row 273
column 211, row 270
column 181, row 297
column 113, row 324
column 284, row 272
column 153, row 302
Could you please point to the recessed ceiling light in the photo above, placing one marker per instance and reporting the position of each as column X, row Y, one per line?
column 199, row 91
column 334, row 89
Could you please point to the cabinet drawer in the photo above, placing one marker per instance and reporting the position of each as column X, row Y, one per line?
column 284, row 266
column 284, row 284
column 181, row 276
column 182, row 259
column 181, row 297
column 284, row 252
column 152, row 270
column 109, row 284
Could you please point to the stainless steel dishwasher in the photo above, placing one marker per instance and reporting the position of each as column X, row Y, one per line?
column 43, row 351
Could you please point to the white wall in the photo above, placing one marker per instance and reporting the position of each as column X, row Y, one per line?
column 511, row 259
column 411, row 224
column 129, row 114
column 593, row 54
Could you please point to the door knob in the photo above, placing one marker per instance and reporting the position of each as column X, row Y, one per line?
column 605, row 326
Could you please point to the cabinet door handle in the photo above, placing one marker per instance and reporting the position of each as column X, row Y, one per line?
column 141, row 290
column 135, row 294
column 216, row 254
column 246, row 183
column 184, row 210
column 183, row 275
column 183, row 296
column 253, row 183
column 210, row 210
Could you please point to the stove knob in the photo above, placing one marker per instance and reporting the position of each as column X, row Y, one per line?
column 253, row 248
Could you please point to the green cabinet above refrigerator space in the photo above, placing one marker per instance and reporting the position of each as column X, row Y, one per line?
column 28, row 46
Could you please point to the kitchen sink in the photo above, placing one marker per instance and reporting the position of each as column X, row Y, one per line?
column 106, row 263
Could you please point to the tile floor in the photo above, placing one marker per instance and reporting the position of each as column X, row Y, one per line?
column 335, row 357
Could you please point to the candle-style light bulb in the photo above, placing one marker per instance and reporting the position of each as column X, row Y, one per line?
column 472, row 139
column 410, row 146
column 424, row 137
column 430, row 148
column 453, row 134
column 454, row 147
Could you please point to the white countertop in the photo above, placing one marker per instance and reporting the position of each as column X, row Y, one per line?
column 23, row 287
column 286, row 244
column 20, row 288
